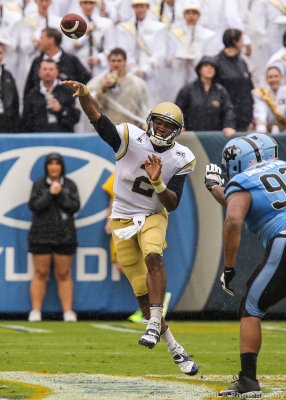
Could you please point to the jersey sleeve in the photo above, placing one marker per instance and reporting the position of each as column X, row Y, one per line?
column 123, row 132
column 187, row 161
column 236, row 184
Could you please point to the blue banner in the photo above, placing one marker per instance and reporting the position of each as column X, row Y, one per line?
column 97, row 285
column 193, row 257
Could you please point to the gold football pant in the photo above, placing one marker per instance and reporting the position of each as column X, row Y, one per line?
column 131, row 253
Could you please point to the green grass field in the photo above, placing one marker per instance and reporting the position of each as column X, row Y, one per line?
column 102, row 360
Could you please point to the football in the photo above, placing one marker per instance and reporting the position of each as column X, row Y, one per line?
column 73, row 26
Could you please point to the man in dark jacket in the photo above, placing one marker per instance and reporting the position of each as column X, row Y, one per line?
column 9, row 100
column 49, row 107
column 206, row 105
column 69, row 65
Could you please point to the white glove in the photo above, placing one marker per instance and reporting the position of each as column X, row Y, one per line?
column 213, row 176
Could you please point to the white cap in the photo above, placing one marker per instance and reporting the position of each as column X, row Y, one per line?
column 134, row 2
column 192, row 5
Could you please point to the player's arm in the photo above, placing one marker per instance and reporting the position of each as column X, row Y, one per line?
column 218, row 193
column 104, row 127
column 168, row 197
column 89, row 105
column 238, row 205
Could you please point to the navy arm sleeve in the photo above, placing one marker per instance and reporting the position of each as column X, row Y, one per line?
column 176, row 184
column 107, row 131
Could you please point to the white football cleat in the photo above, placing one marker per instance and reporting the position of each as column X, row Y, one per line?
column 184, row 361
column 35, row 316
column 152, row 334
column 70, row 316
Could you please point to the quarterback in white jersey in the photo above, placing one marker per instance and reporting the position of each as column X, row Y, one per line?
column 150, row 172
column 134, row 193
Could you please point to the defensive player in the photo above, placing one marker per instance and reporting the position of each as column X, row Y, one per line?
column 150, row 172
column 255, row 195
column 213, row 178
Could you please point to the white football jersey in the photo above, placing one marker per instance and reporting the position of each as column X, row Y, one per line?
column 134, row 194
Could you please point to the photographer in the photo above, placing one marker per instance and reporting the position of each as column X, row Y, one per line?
column 121, row 95
column 49, row 106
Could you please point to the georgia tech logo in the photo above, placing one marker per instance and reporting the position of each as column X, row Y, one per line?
column 15, row 188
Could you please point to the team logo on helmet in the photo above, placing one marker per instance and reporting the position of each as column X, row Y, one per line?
column 230, row 153
column 168, row 115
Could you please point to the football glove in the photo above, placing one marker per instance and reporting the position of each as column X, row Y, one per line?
column 225, row 279
column 213, row 176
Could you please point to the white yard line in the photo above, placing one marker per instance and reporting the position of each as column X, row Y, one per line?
column 20, row 328
column 273, row 328
column 116, row 328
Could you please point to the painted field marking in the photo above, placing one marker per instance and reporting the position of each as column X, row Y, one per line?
column 104, row 387
column 40, row 392
column 20, row 328
column 117, row 328
column 273, row 328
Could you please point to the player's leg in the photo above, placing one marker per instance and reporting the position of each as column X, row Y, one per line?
column 151, row 240
column 42, row 265
column 250, row 335
column 63, row 266
column 179, row 354
column 135, row 269
column 266, row 287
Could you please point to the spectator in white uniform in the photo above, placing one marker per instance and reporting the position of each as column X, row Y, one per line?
column 168, row 11
column 220, row 15
column 144, row 41
column 279, row 58
column 10, row 15
column 93, row 48
column 187, row 45
column 116, row 10
column 58, row 7
column 269, row 15
column 269, row 110
column 28, row 32
column 259, row 41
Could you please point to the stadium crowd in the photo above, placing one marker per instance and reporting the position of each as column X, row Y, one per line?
column 164, row 42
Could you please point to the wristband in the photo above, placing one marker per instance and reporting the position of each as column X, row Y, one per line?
column 158, row 185
column 85, row 92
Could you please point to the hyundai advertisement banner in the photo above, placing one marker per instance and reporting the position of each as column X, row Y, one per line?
column 98, row 286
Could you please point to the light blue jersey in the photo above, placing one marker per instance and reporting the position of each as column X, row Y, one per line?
column 266, row 216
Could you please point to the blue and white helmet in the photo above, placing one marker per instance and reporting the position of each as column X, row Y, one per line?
column 239, row 155
column 267, row 144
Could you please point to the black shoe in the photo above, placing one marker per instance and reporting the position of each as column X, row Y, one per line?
column 244, row 387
